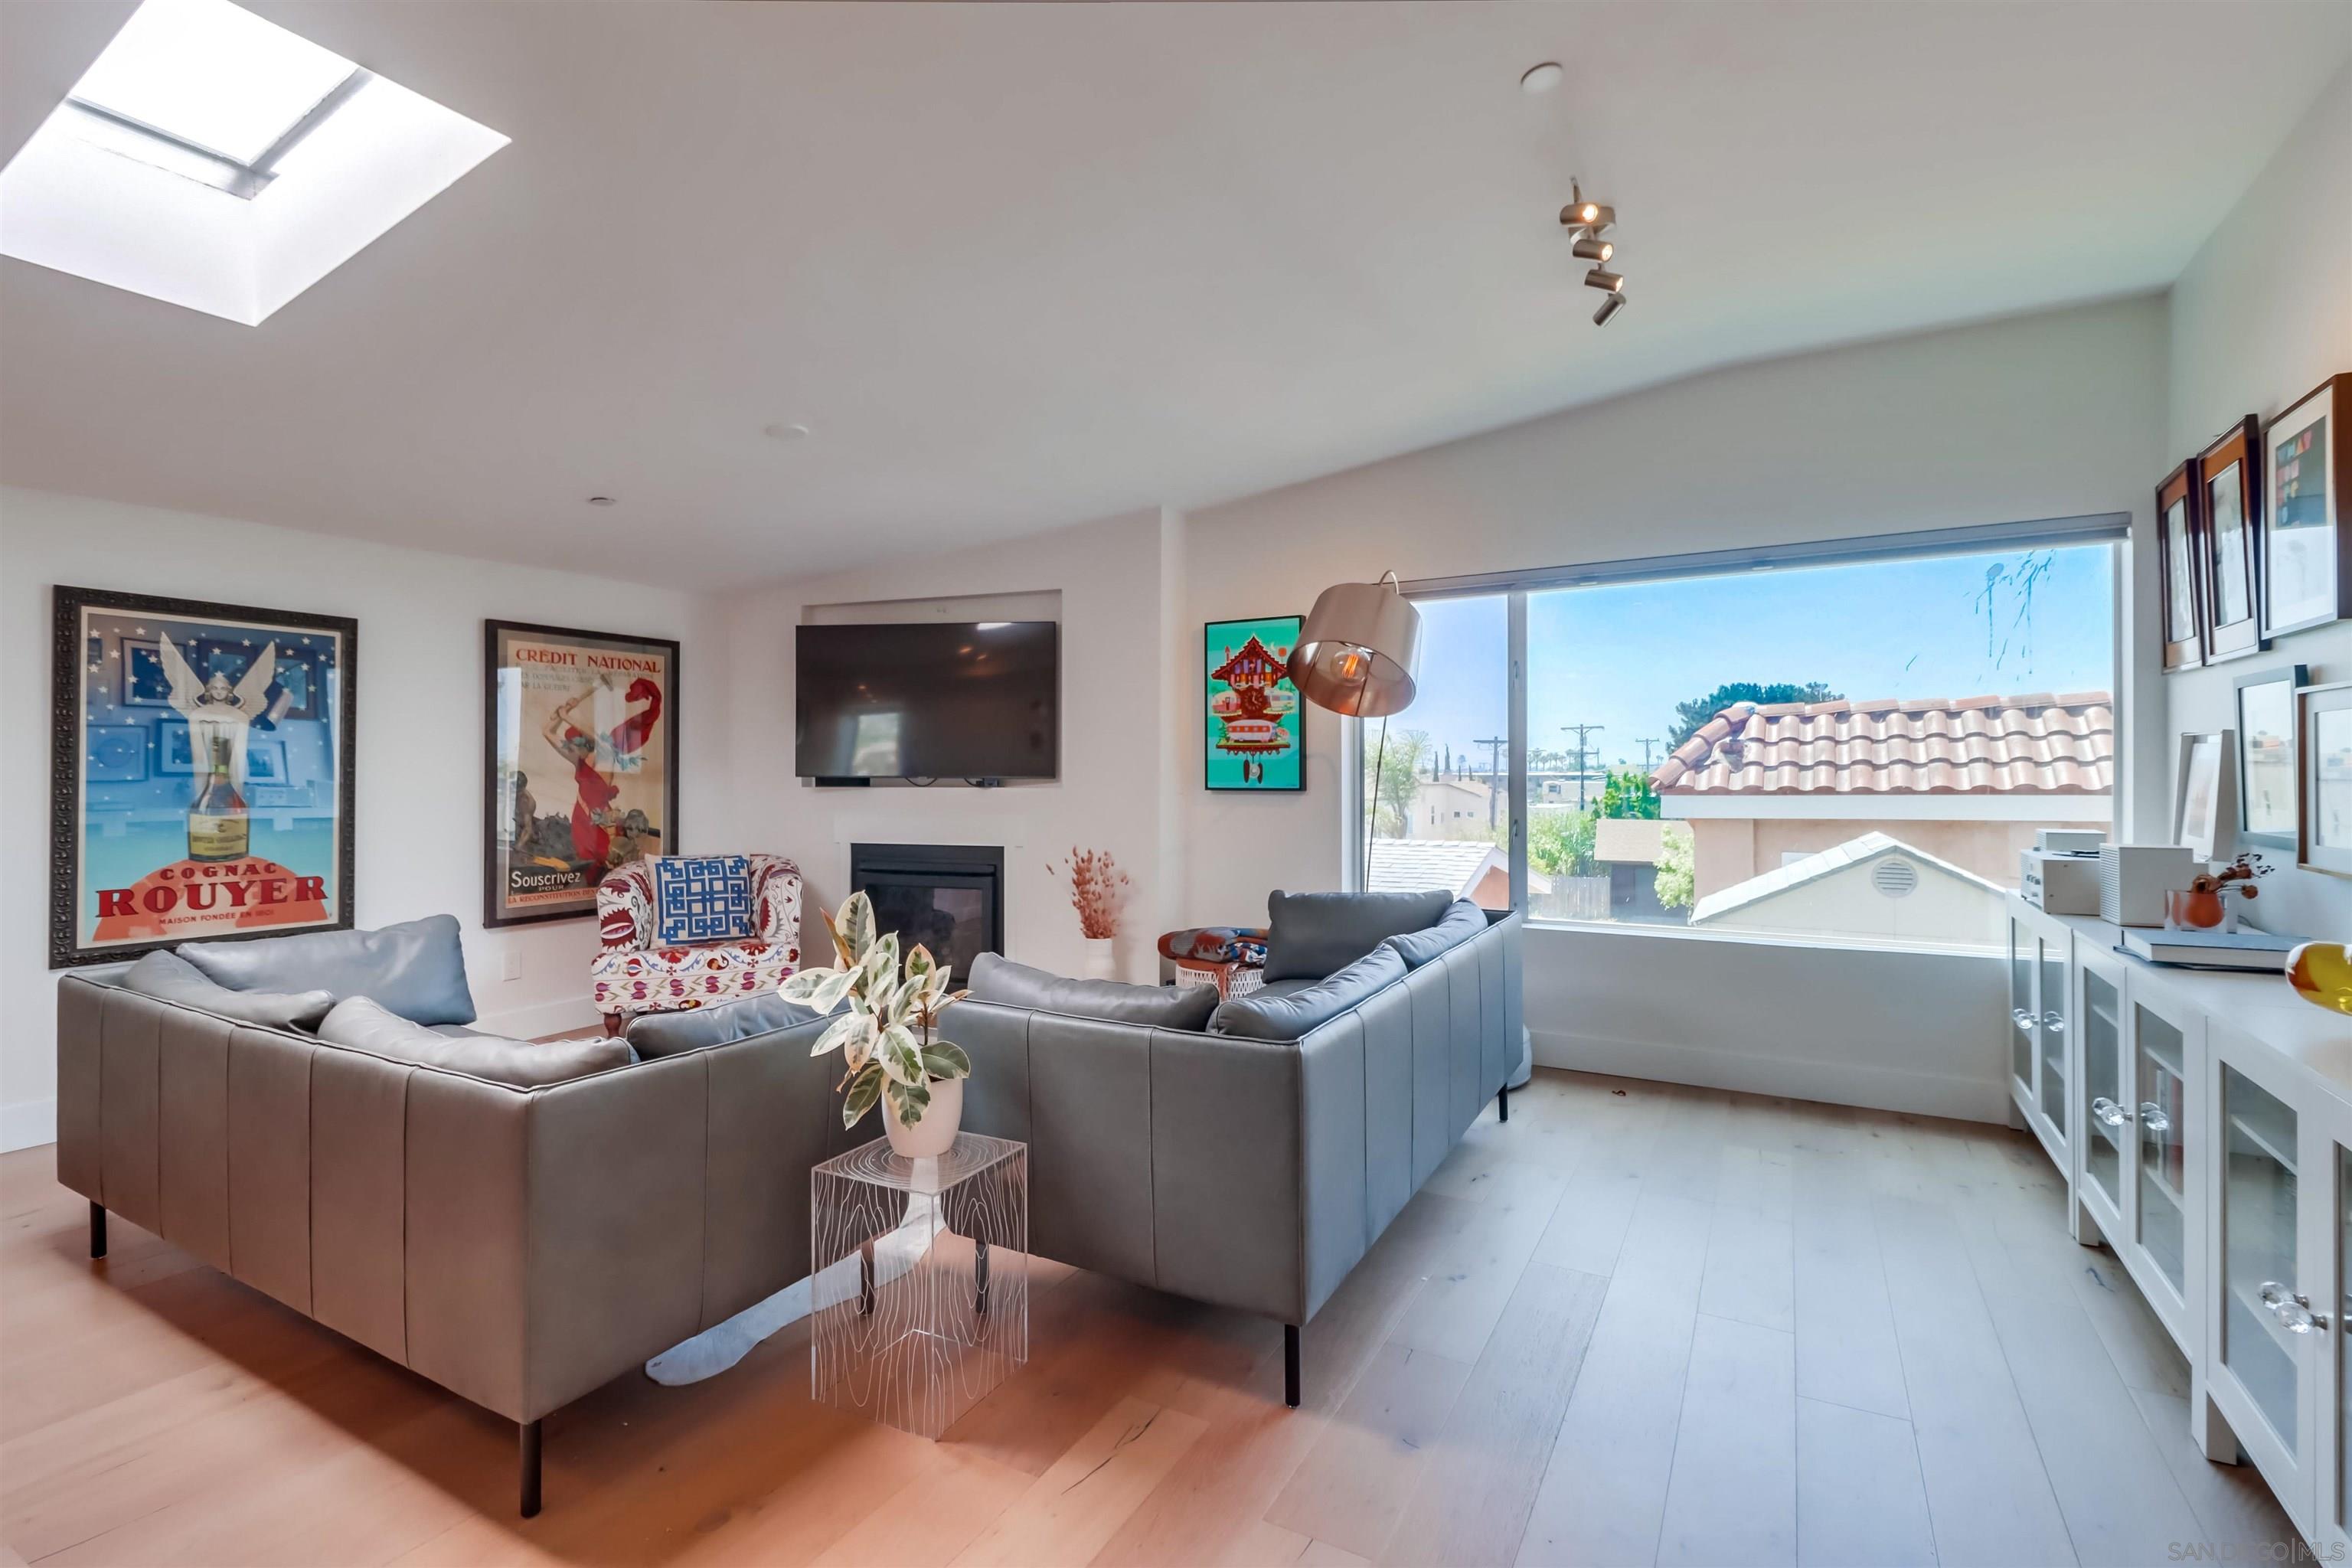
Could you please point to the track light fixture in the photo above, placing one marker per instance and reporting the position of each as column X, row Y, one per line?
column 1586, row 220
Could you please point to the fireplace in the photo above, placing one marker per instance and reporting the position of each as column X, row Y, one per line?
column 947, row 897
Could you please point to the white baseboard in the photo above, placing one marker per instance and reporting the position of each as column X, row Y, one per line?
column 1867, row 1084
column 540, row 1018
column 27, row 1124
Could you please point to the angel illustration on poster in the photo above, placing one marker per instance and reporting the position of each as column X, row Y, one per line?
column 217, row 709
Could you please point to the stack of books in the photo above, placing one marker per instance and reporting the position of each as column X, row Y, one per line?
column 2241, row 949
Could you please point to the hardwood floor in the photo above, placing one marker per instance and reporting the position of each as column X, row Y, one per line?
column 1636, row 1323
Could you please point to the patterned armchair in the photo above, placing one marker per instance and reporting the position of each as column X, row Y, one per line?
column 631, row 974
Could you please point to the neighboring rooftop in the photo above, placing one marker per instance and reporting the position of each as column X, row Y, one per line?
column 1415, row 865
column 2032, row 745
column 1830, row 862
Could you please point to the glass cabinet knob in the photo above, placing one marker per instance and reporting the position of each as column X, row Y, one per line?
column 2024, row 1019
column 2292, row 1308
column 2107, row 1111
column 2152, row 1116
column 2053, row 1020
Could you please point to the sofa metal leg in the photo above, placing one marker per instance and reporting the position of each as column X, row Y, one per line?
column 531, row 1469
column 979, row 1279
column 1290, row 1364
column 1503, row 1103
column 97, row 1230
column 865, row 1279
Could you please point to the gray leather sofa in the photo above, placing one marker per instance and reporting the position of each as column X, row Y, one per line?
column 1248, row 1173
column 518, row 1246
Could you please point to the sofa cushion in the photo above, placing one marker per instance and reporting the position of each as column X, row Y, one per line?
column 701, row 898
column 416, row 969
column 668, row 1033
column 1319, row 934
column 995, row 978
column 361, row 1023
column 1280, row 1016
column 1462, row 920
column 168, row 977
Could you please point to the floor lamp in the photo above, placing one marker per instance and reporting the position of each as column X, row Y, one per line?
column 1356, row 654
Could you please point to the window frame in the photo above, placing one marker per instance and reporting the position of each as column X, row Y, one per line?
column 2111, row 528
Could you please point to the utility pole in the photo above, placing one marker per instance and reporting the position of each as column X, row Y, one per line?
column 1494, row 744
column 1583, row 750
column 1646, row 745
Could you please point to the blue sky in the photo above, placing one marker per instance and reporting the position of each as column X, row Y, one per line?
column 1622, row 657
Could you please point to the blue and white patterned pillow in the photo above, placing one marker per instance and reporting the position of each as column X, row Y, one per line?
column 703, row 898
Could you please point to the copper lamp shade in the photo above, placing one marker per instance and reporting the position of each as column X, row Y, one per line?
column 1357, row 652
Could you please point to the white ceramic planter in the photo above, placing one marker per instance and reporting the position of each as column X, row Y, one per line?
column 928, row 1138
column 1101, row 964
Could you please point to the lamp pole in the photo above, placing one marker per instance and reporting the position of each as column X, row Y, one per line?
column 1583, row 750
column 1494, row 744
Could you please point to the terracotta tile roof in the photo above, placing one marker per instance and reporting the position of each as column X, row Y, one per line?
column 2033, row 744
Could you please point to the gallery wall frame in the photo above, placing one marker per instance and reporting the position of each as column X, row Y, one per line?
column 2180, row 551
column 2202, row 790
column 2268, row 776
column 2306, row 461
column 130, row 870
column 2323, row 742
column 2230, row 485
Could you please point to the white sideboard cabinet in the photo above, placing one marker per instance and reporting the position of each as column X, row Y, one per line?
column 2203, row 1121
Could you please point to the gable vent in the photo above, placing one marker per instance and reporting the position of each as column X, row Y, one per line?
column 1894, row 878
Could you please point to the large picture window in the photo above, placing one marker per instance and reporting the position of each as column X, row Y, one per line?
column 1829, row 745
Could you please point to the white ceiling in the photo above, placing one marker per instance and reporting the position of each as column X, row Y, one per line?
column 1022, row 265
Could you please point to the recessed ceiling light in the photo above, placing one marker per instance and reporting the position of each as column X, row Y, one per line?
column 784, row 432
column 600, row 501
column 1542, row 77
column 211, row 158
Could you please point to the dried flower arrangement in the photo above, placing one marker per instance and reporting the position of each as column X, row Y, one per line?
column 1097, row 885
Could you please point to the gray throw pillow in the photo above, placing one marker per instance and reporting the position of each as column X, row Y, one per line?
column 1316, row 934
column 667, row 1033
column 1462, row 920
column 1260, row 1016
column 416, row 969
column 995, row 978
column 361, row 1023
column 168, row 977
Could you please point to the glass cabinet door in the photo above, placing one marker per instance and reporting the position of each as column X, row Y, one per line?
column 2052, row 1092
column 2261, row 1315
column 2342, row 1518
column 2020, row 1005
column 2161, row 1072
column 2106, row 1113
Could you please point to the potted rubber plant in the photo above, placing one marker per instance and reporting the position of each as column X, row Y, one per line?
column 886, row 1035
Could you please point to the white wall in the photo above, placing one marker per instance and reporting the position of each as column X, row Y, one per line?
column 1116, row 739
column 419, row 750
column 2040, row 417
column 2261, row 316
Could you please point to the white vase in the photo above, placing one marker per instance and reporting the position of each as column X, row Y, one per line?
column 928, row 1138
column 1101, row 964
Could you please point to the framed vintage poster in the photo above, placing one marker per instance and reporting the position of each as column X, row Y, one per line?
column 171, row 720
column 2322, row 741
column 2266, row 769
column 1255, row 737
column 2307, row 458
column 2232, row 488
column 2180, row 546
column 582, row 765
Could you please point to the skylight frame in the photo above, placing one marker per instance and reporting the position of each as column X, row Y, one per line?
column 133, row 138
column 210, row 75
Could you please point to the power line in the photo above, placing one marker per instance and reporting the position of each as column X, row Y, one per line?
column 1582, row 751
column 1646, row 746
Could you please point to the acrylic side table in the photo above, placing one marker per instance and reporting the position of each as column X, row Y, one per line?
column 919, row 1279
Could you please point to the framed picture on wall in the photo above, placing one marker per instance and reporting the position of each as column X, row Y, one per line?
column 581, row 765
column 1255, row 737
column 2233, row 488
column 2180, row 545
column 2267, row 774
column 142, row 858
column 2307, row 455
column 2322, row 741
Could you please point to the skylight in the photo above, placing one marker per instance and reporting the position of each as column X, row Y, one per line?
column 214, row 160
column 213, row 76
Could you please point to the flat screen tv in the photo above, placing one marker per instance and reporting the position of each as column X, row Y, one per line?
column 929, row 700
